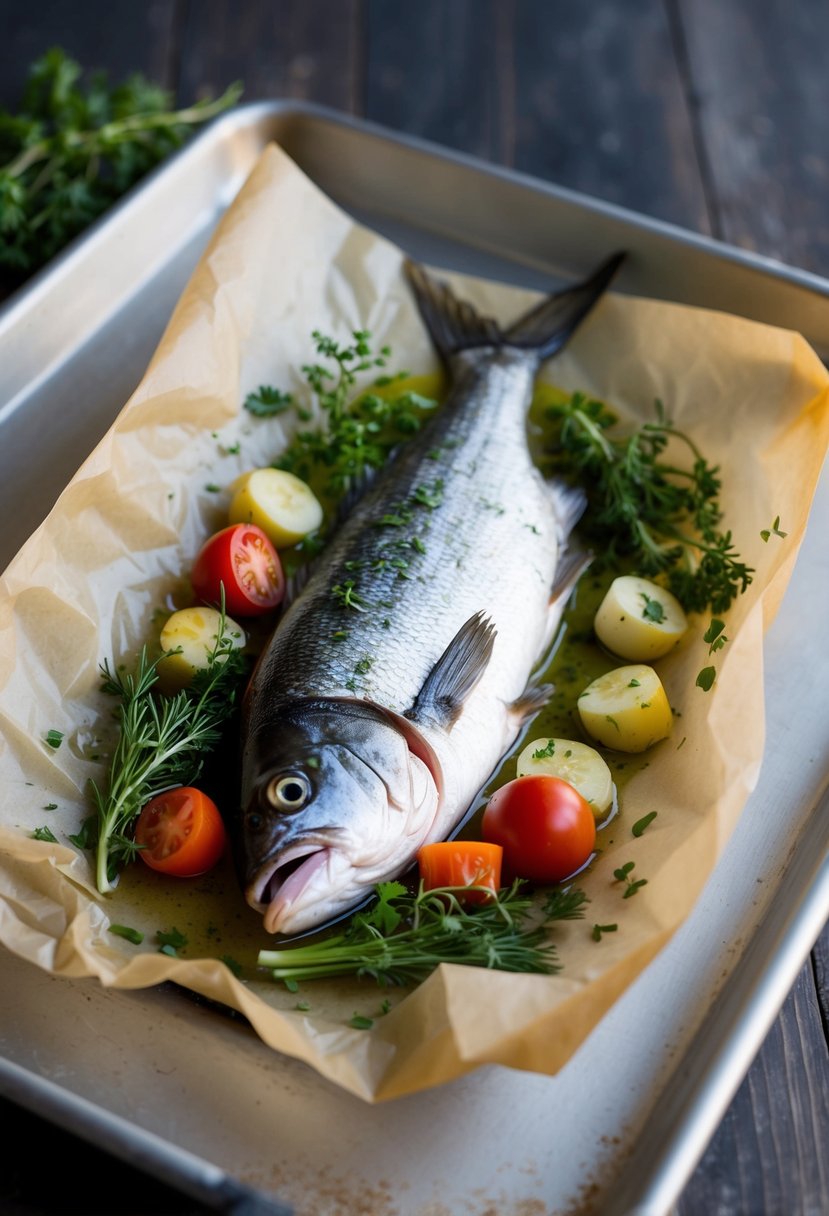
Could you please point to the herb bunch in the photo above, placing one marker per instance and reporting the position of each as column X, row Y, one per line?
column 645, row 507
column 360, row 429
column 402, row 937
column 70, row 152
column 162, row 743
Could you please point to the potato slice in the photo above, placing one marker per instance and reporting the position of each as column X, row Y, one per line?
column 193, row 631
column 639, row 620
column 284, row 507
column 626, row 709
column 576, row 763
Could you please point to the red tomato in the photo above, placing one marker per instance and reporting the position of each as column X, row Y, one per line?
column 243, row 560
column 546, row 828
column 461, row 863
column 181, row 832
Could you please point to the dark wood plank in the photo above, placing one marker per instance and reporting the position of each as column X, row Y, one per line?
column 761, row 90
column 284, row 48
column 431, row 71
column 119, row 36
column 587, row 95
column 770, row 1155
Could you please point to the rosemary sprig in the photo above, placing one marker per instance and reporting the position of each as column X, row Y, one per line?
column 162, row 743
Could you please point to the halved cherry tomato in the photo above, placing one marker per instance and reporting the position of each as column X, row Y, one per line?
column 181, row 832
column 461, row 863
column 243, row 561
column 546, row 828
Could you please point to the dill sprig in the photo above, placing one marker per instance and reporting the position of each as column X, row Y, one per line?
column 70, row 152
column 402, row 937
column 358, row 430
column 162, row 743
column 646, row 507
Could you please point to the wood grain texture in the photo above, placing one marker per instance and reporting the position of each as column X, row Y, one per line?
column 586, row 95
column 119, row 36
column 770, row 1156
column 306, row 49
column 761, row 91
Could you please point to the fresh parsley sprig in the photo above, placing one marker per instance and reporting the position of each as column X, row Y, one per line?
column 402, row 937
column 358, row 430
column 646, row 507
column 161, row 744
column 70, row 152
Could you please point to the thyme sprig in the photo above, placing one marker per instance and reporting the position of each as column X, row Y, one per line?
column 647, row 506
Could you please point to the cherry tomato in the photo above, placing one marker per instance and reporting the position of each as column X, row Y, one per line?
column 181, row 832
column 461, row 863
column 546, row 828
column 243, row 560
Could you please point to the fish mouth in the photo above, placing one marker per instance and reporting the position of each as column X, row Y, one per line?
column 280, row 884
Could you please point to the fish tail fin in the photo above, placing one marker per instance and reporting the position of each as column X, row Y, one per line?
column 455, row 325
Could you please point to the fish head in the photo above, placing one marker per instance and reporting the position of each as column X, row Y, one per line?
column 334, row 799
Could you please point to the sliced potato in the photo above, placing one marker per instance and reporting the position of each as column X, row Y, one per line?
column 192, row 632
column 626, row 709
column 639, row 620
column 581, row 766
column 285, row 508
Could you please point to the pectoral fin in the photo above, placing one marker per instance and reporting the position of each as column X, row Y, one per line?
column 455, row 674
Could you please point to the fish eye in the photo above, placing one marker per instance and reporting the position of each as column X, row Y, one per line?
column 289, row 792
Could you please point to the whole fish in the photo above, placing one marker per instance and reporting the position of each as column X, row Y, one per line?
column 401, row 673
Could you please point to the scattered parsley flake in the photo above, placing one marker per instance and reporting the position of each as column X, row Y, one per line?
column 705, row 679
column 598, row 930
column 170, row 941
column 361, row 1023
column 653, row 610
column 268, row 401
column 302, row 1006
column 544, row 752
column 51, row 806
column 45, row 833
column 53, row 739
column 774, row 530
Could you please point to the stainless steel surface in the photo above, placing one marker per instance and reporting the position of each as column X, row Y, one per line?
column 71, row 350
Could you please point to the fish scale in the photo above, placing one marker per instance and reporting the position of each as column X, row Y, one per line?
column 397, row 678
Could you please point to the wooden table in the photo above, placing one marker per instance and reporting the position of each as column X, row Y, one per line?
column 711, row 115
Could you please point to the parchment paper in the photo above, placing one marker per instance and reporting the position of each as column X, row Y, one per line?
column 121, row 537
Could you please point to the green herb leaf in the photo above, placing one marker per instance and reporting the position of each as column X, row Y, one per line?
column 170, row 941
column 598, row 930
column 361, row 1023
column 268, row 401
column 132, row 935
column 773, row 531
column 51, row 806
column 653, row 610
column 45, row 833
column 642, row 824
column 569, row 904
column 53, row 739
column 705, row 678
column 543, row 752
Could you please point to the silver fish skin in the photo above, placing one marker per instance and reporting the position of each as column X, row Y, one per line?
column 398, row 677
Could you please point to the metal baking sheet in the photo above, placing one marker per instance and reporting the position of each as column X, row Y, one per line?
column 645, row 1091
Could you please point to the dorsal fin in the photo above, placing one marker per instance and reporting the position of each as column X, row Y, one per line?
column 455, row 674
